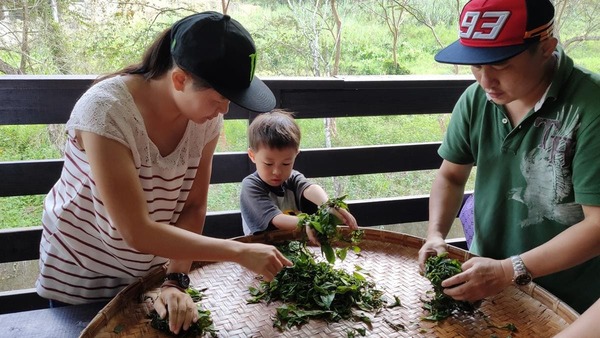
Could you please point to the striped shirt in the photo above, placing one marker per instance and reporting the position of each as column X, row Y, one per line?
column 83, row 258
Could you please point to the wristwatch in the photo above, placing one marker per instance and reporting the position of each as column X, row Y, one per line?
column 522, row 276
column 178, row 279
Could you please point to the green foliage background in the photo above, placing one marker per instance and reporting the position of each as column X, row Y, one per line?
column 97, row 37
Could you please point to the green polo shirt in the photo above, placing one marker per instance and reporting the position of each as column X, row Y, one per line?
column 532, row 179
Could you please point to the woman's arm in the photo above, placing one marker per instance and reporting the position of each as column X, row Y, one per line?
column 115, row 175
column 586, row 326
column 193, row 215
column 116, row 179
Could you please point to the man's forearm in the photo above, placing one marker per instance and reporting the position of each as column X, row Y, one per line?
column 444, row 202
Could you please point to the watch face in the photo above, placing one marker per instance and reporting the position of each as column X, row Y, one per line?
column 184, row 280
column 523, row 279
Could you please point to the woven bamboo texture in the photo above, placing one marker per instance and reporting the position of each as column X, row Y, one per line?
column 389, row 258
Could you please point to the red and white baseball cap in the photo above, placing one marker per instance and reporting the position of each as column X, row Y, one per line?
column 492, row 31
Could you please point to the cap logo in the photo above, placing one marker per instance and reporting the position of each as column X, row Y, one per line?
column 252, row 65
column 489, row 29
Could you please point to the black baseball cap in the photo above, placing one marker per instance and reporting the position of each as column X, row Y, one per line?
column 493, row 31
column 220, row 51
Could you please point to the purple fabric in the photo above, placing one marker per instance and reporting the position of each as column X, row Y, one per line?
column 467, row 219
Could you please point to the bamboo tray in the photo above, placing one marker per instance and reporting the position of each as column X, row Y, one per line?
column 390, row 258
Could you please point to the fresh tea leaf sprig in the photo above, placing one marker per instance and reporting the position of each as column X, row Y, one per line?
column 311, row 290
column 204, row 325
column 437, row 269
column 324, row 224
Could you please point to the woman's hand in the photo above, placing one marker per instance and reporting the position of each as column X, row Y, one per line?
column 180, row 307
column 262, row 259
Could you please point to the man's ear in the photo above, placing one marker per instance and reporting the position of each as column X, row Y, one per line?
column 179, row 77
column 251, row 155
column 548, row 46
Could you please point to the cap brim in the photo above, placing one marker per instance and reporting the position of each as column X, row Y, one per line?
column 460, row 54
column 257, row 97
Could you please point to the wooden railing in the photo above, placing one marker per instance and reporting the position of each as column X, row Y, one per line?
column 49, row 100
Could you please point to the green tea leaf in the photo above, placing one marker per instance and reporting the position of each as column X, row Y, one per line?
column 315, row 290
column 324, row 224
column 341, row 253
column 119, row 328
column 328, row 251
column 437, row 269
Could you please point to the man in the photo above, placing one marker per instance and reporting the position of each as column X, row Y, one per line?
column 531, row 125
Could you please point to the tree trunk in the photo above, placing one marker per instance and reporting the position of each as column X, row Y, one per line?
column 330, row 129
column 314, row 44
column 225, row 5
column 337, row 38
column 54, row 6
column 24, row 39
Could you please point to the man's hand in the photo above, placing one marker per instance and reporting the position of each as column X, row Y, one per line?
column 180, row 307
column 481, row 277
column 432, row 247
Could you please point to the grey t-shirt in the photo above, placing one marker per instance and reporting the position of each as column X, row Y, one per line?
column 260, row 202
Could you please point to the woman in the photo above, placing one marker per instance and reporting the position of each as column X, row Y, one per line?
column 133, row 191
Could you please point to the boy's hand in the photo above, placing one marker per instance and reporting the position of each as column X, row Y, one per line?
column 312, row 236
column 345, row 216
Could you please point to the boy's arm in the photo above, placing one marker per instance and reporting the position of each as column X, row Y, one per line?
column 285, row 222
column 315, row 194
column 318, row 196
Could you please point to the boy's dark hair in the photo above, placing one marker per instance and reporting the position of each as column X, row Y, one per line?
column 275, row 129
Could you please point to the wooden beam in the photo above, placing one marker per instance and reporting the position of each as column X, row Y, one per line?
column 49, row 99
column 36, row 177
column 20, row 244
column 21, row 300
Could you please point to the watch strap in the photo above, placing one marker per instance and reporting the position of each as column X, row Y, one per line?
column 171, row 284
column 521, row 276
column 518, row 265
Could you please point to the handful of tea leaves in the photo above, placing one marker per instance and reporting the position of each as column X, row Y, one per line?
column 437, row 269
column 203, row 326
column 324, row 223
column 311, row 289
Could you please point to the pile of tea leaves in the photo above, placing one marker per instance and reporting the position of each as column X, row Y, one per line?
column 204, row 325
column 316, row 290
column 437, row 269
column 324, row 224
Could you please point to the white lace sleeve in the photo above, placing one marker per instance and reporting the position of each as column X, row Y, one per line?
column 106, row 109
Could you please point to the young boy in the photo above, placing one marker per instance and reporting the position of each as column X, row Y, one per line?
column 275, row 193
